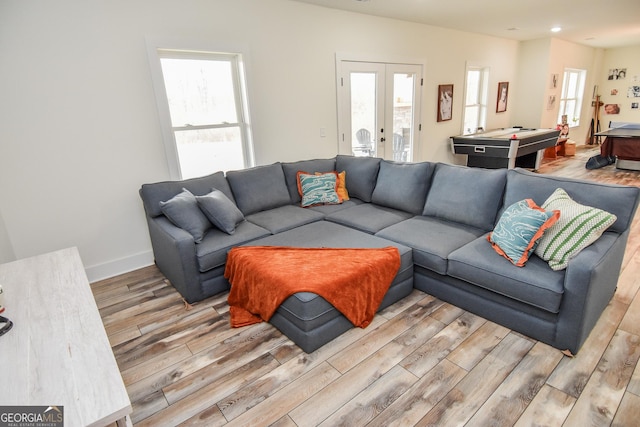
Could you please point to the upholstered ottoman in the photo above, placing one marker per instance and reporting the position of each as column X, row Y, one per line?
column 307, row 318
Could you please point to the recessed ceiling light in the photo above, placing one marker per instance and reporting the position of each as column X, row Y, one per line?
column 556, row 29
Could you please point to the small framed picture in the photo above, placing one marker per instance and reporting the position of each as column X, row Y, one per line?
column 445, row 102
column 503, row 94
column 617, row 73
column 612, row 108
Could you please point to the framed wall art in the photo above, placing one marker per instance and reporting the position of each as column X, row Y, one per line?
column 445, row 102
column 503, row 94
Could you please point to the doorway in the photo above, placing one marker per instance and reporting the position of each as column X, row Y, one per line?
column 379, row 109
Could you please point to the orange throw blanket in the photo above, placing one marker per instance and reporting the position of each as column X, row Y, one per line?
column 354, row 281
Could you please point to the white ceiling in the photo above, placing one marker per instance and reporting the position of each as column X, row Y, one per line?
column 596, row 23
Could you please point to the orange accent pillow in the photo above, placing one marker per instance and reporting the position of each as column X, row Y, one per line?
column 342, row 186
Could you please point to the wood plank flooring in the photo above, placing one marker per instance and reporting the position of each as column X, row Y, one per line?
column 422, row 362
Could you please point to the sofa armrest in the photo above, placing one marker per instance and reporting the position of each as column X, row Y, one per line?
column 590, row 281
column 175, row 255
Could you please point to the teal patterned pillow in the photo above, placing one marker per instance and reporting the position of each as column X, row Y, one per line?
column 519, row 228
column 318, row 189
column 578, row 227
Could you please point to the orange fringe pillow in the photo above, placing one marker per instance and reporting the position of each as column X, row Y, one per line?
column 342, row 186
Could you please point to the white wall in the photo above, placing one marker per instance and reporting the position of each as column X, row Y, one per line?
column 79, row 130
column 628, row 58
column 570, row 55
column 532, row 70
column 6, row 250
column 538, row 61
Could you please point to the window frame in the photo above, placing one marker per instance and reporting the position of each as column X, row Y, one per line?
column 577, row 97
column 482, row 97
column 157, row 49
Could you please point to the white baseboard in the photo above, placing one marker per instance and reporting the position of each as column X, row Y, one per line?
column 119, row 266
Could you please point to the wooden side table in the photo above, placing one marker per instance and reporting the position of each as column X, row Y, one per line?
column 557, row 150
column 57, row 352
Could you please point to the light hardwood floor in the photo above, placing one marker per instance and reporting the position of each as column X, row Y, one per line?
column 421, row 362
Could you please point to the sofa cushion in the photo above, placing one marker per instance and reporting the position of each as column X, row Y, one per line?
column 291, row 169
column 318, row 189
column 368, row 217
column 221, row 211
column 519, row 229
column 330, row 235
column 619, row 200
column 432, row 239
column 153, row 194
column 329, row 209
column 361, row 172
column 534, row 284
column 183, row 211
column 212, row 251
column 578, row 227
column 260, row 188
column 403, row 185
column 470, row 196
column 284, row 218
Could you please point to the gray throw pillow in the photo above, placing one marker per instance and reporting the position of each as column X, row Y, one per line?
column 259, row 189
column 403, row 186
column 470, row 196
column 183, row 211
column 221, row 211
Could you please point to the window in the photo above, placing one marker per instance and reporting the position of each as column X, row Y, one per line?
column 475, row 100
column 207, row 112
column 571, row 97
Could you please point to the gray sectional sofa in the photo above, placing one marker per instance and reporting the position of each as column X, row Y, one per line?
column 437, row 215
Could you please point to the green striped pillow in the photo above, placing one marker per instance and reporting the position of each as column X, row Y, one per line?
column 578, row 227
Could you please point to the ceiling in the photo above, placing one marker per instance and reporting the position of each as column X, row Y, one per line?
column 596, row 23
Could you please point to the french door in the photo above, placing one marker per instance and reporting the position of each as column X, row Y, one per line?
column 379, row 109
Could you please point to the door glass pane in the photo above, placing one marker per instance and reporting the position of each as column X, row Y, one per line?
column 200, row 92
column 203, row 151
column 403, row 96
column 363, row 113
